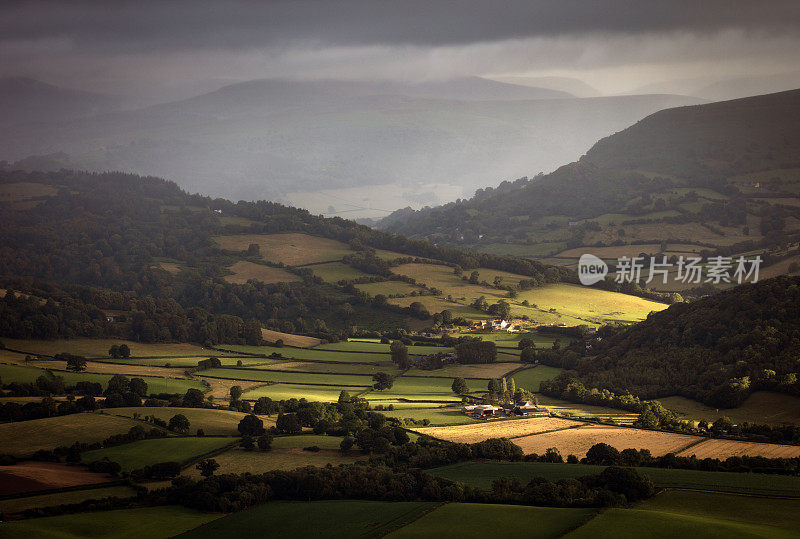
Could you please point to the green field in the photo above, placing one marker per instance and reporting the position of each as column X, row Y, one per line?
column 314, row 354
column 354, row 380
column 330, row 368
column 185, row 361
column 292, row 248
column 586, row 411
column 333, row 272
column 421, row 389
column 336, row 518
column 481, row 474
column 16, row 373
column 377, row 347
column 530, row 379
column 388, row 288
column 683, row 514
column 26, row 437
column 255, row 462
column 144, row 523
column 452, row 415
column 136, row 455
column 510, row 340
column 98, row 348
column 16, row 505
column 307, row 440
column 479, row 520
column 213, row 422
column 294, row 391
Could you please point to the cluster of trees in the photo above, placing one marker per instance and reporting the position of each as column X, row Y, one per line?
column 227, row 493
column 48, row 407
column 470, row 351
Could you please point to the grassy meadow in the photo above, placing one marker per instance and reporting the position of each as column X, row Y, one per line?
column 135, row 455
column 142, row 523
column 333, row 518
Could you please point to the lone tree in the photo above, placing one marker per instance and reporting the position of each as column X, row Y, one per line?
column 193, row 398
column 251, row 425
column 119, row 351
column 399, row 354
column 74, row 363
column 138, row 386
column 459, row 386
column 264, row 442
column 288, row 424
column 179, row 423
column 525, row 342
column 207, row 467
column 236, row 393
column 382, row 381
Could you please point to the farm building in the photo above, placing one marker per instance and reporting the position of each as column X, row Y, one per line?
column 483, row 410
column 530, row 409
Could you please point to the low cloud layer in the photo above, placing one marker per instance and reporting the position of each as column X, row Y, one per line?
column 146, row 47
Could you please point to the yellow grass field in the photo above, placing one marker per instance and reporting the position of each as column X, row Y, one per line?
column 213, row 422
column 110, row 368
column 333, row 272
column 220, row 389
column 722, row 449
column 255, row 462
column 293, row 249
column 760, row 407
column 478, row 432
column 578, row 441
column 27, row 437
column 298, row 341
column 243, row 271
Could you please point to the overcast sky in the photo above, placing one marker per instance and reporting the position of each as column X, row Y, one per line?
column 180, row 46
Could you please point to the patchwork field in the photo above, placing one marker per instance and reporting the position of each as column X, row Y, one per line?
column 329, row 519
column 481, row 474
column 314, row 354
column 34, row 476
column 26, row 437
column 760, row 407
column 292, row 249
column 378, row 347
column 135, row 455
column 722, row 449
column 143, row 523
column 293, row 391
column 243, row 271
column 511, row 428
column 330, row 368
column 478, row 520
column 577, row 441
column 307, row 440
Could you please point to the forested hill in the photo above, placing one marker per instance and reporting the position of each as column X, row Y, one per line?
column 718, row 349
column 710, row 175
column 710, row 141
column 75, row 245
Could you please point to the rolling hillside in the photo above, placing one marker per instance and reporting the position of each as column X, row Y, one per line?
column 715, row 178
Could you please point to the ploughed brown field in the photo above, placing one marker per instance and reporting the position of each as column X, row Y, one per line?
column 35, row 476
column 722, row 449
column 478, row 432
column 578, row 441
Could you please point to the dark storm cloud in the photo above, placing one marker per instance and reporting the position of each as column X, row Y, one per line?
column 143, row 26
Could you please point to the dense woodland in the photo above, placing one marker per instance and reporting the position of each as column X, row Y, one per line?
column 717, row 350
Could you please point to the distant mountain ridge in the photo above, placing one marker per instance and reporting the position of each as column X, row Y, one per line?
column 269, row 138
column 24, row 99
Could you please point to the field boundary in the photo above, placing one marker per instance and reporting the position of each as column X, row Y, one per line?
column 91, row 486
